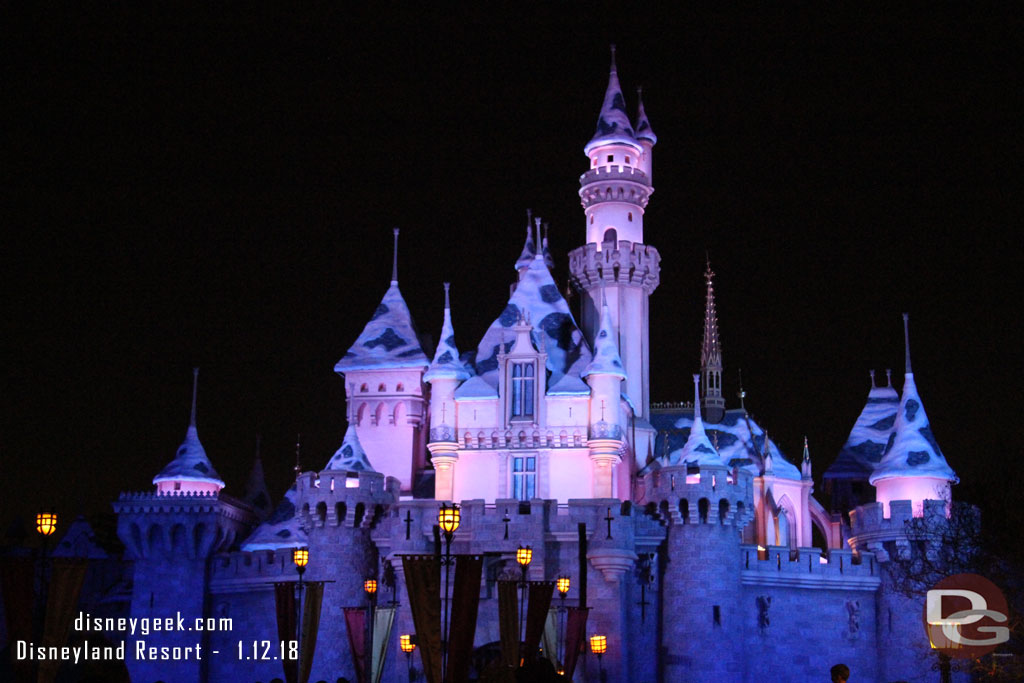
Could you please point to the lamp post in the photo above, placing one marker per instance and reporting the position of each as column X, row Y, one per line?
column 524, row 554
column 46, row 525
column 408, row 645
column 599, row 645
column 300, row 556
column 562, row 584
column 370, row 586
column 448, row 519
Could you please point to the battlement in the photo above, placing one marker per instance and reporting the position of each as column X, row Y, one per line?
column 344, row 498
column 174, row 524
column 624, row 262
column 870, row 517
column 615, row 183
column 681, row 495
column 808, row 568
column 245, row 572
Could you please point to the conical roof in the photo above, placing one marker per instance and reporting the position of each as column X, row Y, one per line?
column 351, row 456
column 446, row 363
column 870, row 435
column 283, row 529
column 613, row 122
column 606, row 350
column 912, row 450
column 643, row 125
column 256, row 493
column 698, row 449
column 389, row 339
column 529, row 246
column 190, row 462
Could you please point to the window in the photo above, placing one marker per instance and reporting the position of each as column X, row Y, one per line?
column 524, row 477
column 611, row 158
column 523, row 385
column 627, row 160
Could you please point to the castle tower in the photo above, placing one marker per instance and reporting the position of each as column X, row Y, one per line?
column 711, row 356
column 384, row 373
column 614, row 193
column 446, row 372
column 705, row 505
column 190, row 471
column 605, row 375
column 912, row 467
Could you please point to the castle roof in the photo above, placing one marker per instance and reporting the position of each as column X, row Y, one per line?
column 606, row 351
column 446, row 363
column 912, row 450
column 613, row 124
column 870, row 434
column 389, row 339
column 529, row 247
column 350, row 457
column 281, row 530
column 190, row 462
column 643, row 125
column 537, row 296
column 256, row 493
column 698, row 449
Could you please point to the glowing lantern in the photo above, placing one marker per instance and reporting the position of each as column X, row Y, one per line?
column 524, row 554
column 448, row 518
column 563, row 585
column 405, row 642
column 370, row 586
column 598, row 644
column 300, row 556
column 46, row 523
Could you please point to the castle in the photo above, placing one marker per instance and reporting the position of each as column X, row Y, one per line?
column 708, row 556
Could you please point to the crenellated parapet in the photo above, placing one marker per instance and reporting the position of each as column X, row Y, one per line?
column 335, row 498
column 624, row 263
column 872, row 531
column 615, row 183
column 681, row 495
column 173, row 524
column 782, row 566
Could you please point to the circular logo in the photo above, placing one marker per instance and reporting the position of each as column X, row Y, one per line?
column 965, row 616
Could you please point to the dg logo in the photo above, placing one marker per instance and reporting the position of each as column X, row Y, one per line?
column 962, row 616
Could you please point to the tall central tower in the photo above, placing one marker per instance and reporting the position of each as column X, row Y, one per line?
column 614, row 192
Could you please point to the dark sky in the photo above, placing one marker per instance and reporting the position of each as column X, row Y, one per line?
column 218, row 189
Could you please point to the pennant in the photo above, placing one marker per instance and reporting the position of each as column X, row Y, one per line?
column 17, row 576
column 423, row 586
column 465, row 605
column 575, row 636
column 536, row 614
column 383, row 619
column 508, row 623
column 284, row 600
column 66, row 578
column 355, row 620
column 314, row 591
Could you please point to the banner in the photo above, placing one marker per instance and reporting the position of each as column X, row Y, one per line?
column 575, row 636
column 550, row 639
column 464, row 608
column 66, row 579
column 383, row 618
column 17, row 576
column 423, row 585
column 314, row 591
column 355, row 620
column 508, row 623
column 536, row 614
column 284, row 600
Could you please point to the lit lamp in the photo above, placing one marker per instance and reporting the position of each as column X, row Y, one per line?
column 405, row 642
column 524, row 554
column 448, row 518
column 370, row 586
column 300, row 556
column 599, row 645
column 46, row 523
column 562, row 584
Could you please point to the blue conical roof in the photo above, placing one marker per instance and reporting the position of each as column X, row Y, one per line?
column 351, row 456
column 190, row 462
column 613, row 122
column 283, row 529
column 389, row 340
column 869, row 437
column 698, row 449
column 446, row 363
column 643, row 125
column 606, row 351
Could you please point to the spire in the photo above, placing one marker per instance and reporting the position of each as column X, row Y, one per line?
column 606, row 350
column 711, row 353
column 872, row 373
column 643, row 125
column 190, row 465
column 529, row 247
column 256, row 493
column 805, row 463
column 350, row 456
column 906, row 341
column 888, row 377
column 912, row 450
column 298, row 455
column 548, row 260
column 698, row 449
column 741, row 394
column 394, row 260
column 613, row 122
column 766, row 456
column 446, row 363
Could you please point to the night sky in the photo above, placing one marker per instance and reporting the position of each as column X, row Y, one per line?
column 218, row 190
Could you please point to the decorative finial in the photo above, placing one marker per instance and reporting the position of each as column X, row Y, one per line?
column 298, row 452
column 536, row 222
column 546, row 226
column 807, row 452
column 906, row 341
column 195, row 384
column 888, row 377
column 741, row 393
column 805, row 466
column 708, row 273
column 696, row 398
column 394, row 260
column 613, row 57
column 447, row 302
column 872, row 373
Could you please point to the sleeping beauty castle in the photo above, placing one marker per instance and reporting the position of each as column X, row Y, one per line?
column 688, row 539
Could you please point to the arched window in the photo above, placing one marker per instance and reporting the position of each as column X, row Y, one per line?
column 321, row 511
column 610, row 235
column 382, row 388
column 523, row 387
column 400, row 388
column 363, row 389
column 702, row 509
column 630, row 216
column 340, row 510
column 723, row 510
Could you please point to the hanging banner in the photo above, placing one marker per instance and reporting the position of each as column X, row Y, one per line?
column 313, row 599
column 355, row 621
column 536, row 614
column 549, row 641
column 383, row 618
column 16, row 582
column 508, row 623
column 423, row 586
column 575, row 636
column 67, row 575
column 284, row 601
column 465, row 605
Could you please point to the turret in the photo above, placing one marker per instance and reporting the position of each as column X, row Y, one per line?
column 384, row 373
column 913, row 467
column 190, row 471
column 446, row 372
column 605, row 375
column 645, row 136
column 256, row 493
column 711, row 356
